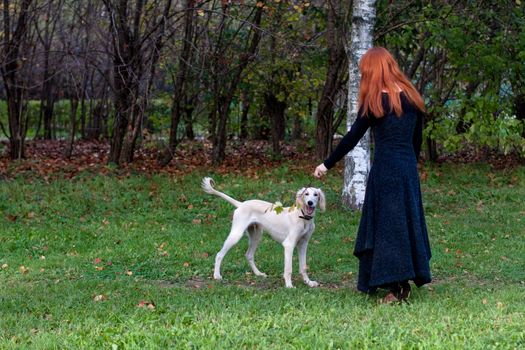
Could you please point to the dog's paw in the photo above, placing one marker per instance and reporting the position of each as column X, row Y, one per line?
column 290, row 286
column 217, row 277
column 312, row 284
column 262, row 274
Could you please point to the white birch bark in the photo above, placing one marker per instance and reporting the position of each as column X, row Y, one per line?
column 357, row 162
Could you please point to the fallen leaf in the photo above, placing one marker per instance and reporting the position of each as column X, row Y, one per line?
column 11, row 218
column 484, row 301
column 4, row 266
column 129, row 273
column 97, row 261
column 196, row 221
column 186, row 264
column 31, row 215
column 42, row 257
column 100, row 297
column 23, row 269
column 147, row 304
column 99, row 268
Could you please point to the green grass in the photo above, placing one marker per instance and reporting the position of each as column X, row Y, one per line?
column 153, row 239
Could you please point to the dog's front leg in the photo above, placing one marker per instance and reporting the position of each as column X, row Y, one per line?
column 301, row 248
column 289, row 246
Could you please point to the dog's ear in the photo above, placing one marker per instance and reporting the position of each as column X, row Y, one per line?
column 322, row 200
column 299, row 197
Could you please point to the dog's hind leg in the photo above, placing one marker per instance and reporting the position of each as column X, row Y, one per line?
column 255, row 233
column 239, row 225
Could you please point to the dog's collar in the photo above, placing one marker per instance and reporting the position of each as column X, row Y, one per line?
column 305, row 216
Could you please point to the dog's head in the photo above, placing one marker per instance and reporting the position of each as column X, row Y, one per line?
column 309, row 198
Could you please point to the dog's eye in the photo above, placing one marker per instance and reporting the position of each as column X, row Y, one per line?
column 315, row 194
column 306, row 194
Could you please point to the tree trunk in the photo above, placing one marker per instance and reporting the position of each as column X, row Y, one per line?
column 432, row 154
column 48, row 118
column 275, row 110
column 357, row 162
column 11, row 64
column 135, row 44
column 122, row 106
column 83, row 116
column 125, row 87
column 219, row 144
column 297, row 128
column 16, row 132
column 188, row 121
column 245, row 100
column 130, row 138
column 179, row 91
column 333, row 81
column 73, row 125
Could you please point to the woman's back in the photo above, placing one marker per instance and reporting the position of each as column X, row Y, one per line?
column 393, row 135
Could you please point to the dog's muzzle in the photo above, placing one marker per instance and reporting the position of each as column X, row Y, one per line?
column 308, row 215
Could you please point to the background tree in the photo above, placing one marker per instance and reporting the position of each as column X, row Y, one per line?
column 137, row 31
column 227, row 71
column 336, row 74
column 180, row 93
column 16, row 31
column 357, row 162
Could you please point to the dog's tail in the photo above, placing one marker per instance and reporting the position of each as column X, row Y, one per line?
column 208, row 188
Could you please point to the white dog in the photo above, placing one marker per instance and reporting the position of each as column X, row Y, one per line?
column 291, row 226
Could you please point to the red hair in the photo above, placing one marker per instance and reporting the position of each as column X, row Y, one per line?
column 379, row 73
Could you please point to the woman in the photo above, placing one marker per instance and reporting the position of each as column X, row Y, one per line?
column 392, row 241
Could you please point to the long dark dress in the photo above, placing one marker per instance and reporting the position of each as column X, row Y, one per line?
column 392, row 242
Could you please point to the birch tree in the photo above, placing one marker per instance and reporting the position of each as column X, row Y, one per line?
column 357, row 162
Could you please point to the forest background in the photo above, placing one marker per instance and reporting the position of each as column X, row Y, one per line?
column 113, row 80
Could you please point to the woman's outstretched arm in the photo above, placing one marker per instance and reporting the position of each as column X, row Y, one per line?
column 349, row 141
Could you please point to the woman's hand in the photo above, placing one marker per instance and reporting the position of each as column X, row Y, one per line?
column 320, row 171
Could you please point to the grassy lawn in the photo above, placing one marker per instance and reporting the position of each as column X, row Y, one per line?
column 105, row 262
